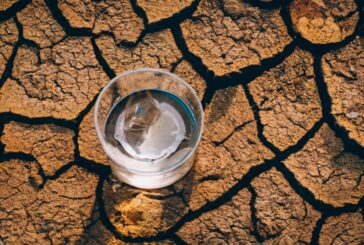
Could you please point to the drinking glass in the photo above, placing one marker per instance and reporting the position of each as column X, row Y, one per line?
column 133, row 171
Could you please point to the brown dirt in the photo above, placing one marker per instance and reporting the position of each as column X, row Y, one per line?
column 88, row 142
column 39, row 25
column 112, row 16
column 283, row 217
column 231, row 36
column 228, row 224
column 287, row 98
column 324, row 21
column 54, row 214
column 344, row 75
column 157, row 10
column 157, row 50
column 53, row 62
column 51, row 145
column 5, row 4
column 327, row 170
column 8, row 38
column 60, row 82
column 343, row 229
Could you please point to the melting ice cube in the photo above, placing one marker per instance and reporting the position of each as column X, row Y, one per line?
column 148, row 129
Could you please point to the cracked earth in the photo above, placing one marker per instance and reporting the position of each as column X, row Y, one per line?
column 281, row 160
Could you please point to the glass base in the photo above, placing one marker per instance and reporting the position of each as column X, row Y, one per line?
column 152, row 181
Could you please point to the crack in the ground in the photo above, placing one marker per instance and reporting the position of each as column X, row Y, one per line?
column 260, row 126
column 317, row 230
column 214, row 83
column 268, row 5
column 254, row 218
column 237, row 128
column 309, row 197
column 58, row 15
column 10, row 63
column 350, row 145
column 16, row 7
column 109, row 72
column 177, row 240
column 7, row 117
column 191, row 215
column 17, row 155
column 244, row 182
column 169, row 22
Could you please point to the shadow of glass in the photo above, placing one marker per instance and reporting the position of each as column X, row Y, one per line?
column 138, row 213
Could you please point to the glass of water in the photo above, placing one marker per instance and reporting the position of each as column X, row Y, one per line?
column 149, row 122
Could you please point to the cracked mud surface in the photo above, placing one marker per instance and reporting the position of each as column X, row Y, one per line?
column 39, row 25
column 51, row 145
column 324, row 21
column 281, row 156
column 8, row 39
column 283, row 217
column 344, row 74
column 116, row 17
column 339, row 229
column 53, row 213
column 287, row 98
column 323, row 166
column 158, row 10
column 233, row 35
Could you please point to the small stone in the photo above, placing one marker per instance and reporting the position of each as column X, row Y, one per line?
column 352, row 115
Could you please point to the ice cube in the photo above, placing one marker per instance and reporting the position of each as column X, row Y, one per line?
column 140, row 113
column 148, row 129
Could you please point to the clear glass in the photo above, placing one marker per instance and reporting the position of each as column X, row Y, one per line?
column 133, row 171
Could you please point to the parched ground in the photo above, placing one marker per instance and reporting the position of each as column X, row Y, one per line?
column 281, row 160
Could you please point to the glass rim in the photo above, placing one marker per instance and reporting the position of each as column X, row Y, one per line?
column 138, row 70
